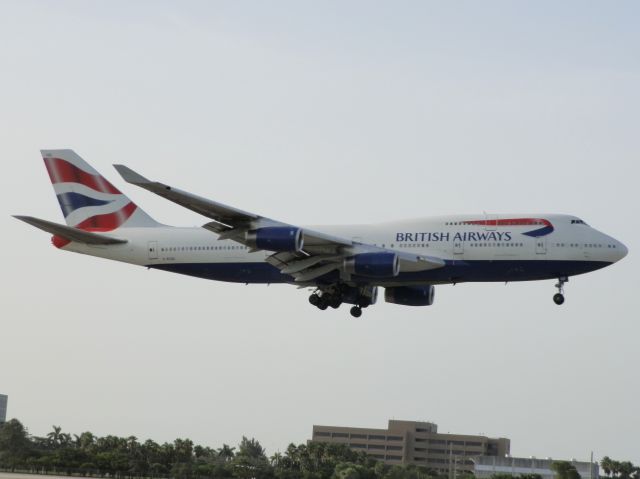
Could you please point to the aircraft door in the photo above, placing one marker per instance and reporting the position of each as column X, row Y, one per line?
column 541, row 245
column 458, row 247
column 491, row 221
column 152, row 249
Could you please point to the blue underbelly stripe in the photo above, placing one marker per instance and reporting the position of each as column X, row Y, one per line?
column 453, row 271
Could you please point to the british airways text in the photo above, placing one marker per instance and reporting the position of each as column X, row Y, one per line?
column 465, row 236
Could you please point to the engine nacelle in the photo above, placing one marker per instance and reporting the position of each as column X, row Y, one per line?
column 373, row 265
column 410, row 295
column 275, row 238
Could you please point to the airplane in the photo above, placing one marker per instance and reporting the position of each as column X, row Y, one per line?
column 342, row 264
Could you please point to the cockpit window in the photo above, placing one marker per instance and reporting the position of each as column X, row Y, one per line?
column 578, row 222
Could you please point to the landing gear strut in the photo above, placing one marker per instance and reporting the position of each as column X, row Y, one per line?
column 558, row 298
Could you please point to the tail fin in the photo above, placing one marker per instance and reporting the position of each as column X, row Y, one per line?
column 87, row 199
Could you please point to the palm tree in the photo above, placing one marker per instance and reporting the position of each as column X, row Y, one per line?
column 65, row 439
column 276, row 459
column 132, row 443
column 226, row 453
column 54, row 436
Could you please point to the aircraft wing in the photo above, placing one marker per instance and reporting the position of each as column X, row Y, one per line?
column 321, row 253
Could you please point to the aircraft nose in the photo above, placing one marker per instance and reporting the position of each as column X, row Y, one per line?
column 622, row 250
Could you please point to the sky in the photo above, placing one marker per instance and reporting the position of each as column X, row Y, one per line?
column 323, row 113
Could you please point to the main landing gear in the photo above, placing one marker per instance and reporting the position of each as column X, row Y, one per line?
column 334, row 297
column 328, row 300
column 324, row 301
column 558, row 298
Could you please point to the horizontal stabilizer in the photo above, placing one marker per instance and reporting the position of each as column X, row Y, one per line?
column 70, row 233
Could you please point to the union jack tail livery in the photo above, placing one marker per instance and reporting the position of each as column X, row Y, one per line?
column 88, row 201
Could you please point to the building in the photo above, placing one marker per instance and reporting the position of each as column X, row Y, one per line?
column 3, row 408
column 485, row 467
column 412, row 442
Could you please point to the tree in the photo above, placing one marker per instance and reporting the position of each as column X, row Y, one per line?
column 251, row 460
column 625, row 469
column 85, row 440
column 183, row 450
column 251, row 448
column 607, row 465
column 55, row 436
column 565, row 470
column 347, row 470
column 14, row 443
column 226, row 453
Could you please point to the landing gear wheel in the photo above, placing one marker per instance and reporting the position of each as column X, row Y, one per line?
column 335, row 302
column 558, row 298
column 322, row 305
column 356, row 311
column 314, row 299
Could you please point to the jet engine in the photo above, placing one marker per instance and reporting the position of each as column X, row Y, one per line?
column 373, row 265
column 276, row 238
column 410, row 295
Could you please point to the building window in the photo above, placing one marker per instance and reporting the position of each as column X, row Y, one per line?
column 394, row 458
column 376, row 446
column 323, row 434
column 394, row 438
column 394, row 448
column 340, row 434
column 358, row 436
column 358, row 446
column 376, row 437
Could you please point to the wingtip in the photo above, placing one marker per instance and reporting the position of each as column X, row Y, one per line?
column 30, row 220
column 130, row 176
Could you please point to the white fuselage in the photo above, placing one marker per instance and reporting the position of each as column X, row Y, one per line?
column 493, row 251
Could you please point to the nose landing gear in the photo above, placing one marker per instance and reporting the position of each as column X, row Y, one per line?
column 558, row 298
